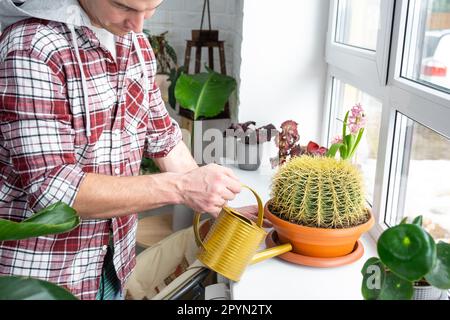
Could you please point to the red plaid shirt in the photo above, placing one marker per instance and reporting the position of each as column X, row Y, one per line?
column 45, row 152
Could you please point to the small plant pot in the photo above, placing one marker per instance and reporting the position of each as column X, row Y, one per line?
column 317, row 242
column 248, row 156
column 427, row 293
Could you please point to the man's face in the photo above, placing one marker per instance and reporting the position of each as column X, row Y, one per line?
column 120, row 16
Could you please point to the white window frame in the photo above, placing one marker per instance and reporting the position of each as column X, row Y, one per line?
column 377, row 73
column 363, row 69
column 428, row 106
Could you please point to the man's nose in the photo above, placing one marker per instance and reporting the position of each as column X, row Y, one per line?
column 136, row 22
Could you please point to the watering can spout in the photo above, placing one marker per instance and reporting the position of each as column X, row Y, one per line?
column 270, row 253
column 233, row 240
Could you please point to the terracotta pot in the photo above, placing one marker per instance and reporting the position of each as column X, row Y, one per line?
column 317, row 242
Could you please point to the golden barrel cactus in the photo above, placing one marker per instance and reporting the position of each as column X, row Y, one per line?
column 319, row 192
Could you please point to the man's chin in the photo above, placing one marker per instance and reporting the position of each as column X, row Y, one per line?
column 118, row 31
column 121, row 33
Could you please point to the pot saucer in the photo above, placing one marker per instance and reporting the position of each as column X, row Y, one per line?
column 358, row 251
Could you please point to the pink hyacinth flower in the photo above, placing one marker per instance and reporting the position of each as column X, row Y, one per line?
column 337, row 139
column 357, row 118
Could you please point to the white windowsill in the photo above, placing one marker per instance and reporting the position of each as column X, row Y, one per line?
column 277, row 279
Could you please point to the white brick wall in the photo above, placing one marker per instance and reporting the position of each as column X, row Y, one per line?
column 179, row 17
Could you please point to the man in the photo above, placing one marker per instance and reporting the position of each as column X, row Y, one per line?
column 78, row 109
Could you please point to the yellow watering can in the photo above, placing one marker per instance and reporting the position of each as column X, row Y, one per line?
column 232, row 241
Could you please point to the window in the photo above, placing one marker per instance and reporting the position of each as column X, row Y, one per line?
column 357, row 23
column 366, row 156
column 393, row 58
column 421, row 162
column 357, row 40
column 426, row 57
column 357, row 55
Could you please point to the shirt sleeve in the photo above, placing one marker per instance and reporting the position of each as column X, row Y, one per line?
column 35, row 123
column 164, row 133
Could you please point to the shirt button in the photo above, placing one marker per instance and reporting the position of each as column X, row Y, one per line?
column 117, row 132
column 104, row 247
column 117, row 170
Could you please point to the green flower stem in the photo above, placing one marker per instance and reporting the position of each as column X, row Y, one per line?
column 344, row 127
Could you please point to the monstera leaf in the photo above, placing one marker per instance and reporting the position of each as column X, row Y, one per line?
column 205, row 94
column 54, row 219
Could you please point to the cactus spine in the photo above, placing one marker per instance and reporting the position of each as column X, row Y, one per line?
column 319, row 192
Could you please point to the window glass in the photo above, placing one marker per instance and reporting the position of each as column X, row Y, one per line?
column 426, row 55
column 357, row 23
column 420, row 175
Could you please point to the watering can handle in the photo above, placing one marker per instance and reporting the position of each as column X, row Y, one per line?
column 259, row 222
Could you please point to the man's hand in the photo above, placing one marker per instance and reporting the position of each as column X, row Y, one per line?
column 208, row 188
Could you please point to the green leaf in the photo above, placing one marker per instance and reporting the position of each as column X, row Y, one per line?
column 23, row 288
column 439, row 276
column 404, row 220
column 57, row 218
column 355, row 143
column 173, row 78
column 205, row 93
column 331, row 153
column 148, row 166
column 407, row 250
column 373, row 277
column 349, row 141
column 418, row 221
column 396, row 288
column 155, row 45
column 380, row 284
column 343, row 151
column 172, row 54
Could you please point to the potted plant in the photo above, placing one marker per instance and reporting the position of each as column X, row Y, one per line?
column 318, row 202
column 410, row 265
column 203, row 97
column 352, row 132
column 286, row 141
column 166, row 62
column 166, row 76
column 165, row 54
column 57, row 218
column 248, row 141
